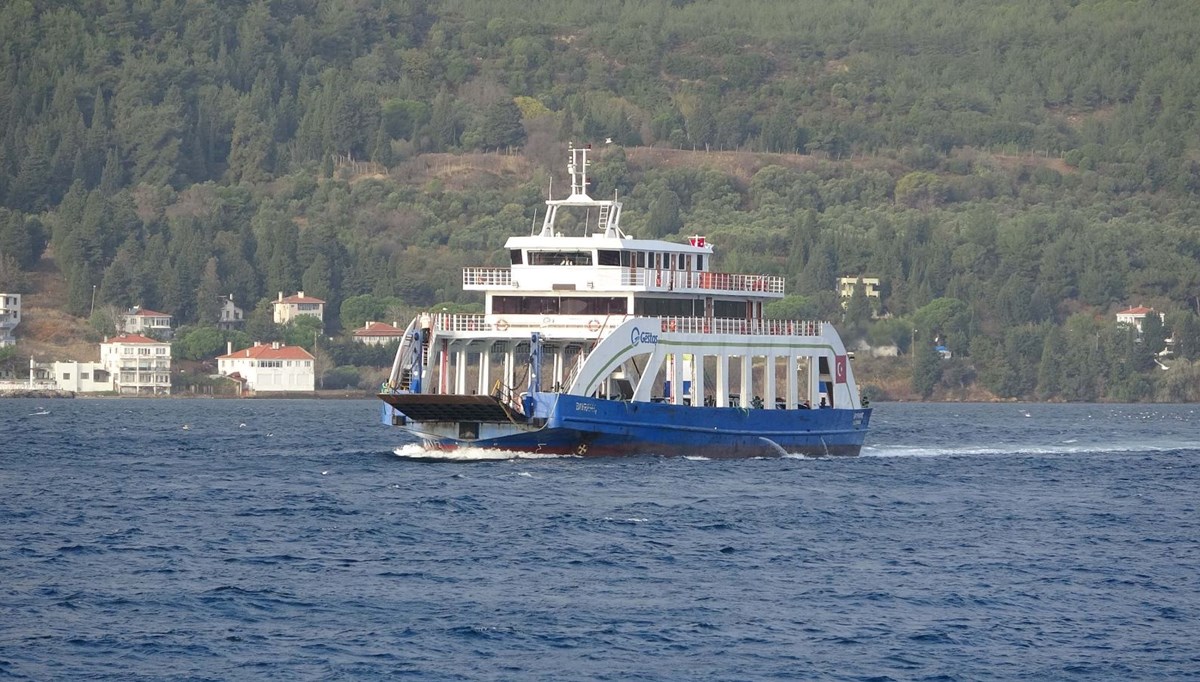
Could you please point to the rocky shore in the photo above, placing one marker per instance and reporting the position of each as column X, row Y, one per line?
column 35, row 393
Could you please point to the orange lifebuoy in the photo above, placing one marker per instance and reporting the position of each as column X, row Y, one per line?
column 501, row 325
column 593, row 325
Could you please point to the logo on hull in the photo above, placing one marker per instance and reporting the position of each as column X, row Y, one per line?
column 639, row 337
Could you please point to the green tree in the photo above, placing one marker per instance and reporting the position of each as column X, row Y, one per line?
column 209, row 298
column 1152, row 341
column 791, row 307
column 200, row 343
column 1185, row 328
column 926, row 366
column 21, row 237
column 664, row 216
column 1050, row 368
column 303, row 331
column 499, row 126
column 858, row 313
column 358, row 310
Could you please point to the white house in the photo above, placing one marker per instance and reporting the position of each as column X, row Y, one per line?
column 270, row 368
column 378, row 334
column 78, row 377
column 138, row 320
column 10, row 317
column 138, row 365
column 130, row 364
column 288, row 309
column 1135, row 316
column 231, row 316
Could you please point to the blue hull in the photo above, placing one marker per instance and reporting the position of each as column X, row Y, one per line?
column 591, row 427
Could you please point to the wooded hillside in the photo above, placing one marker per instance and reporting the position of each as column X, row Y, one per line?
column 1013, row 172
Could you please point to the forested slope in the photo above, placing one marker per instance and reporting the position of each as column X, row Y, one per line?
column 1013, row 171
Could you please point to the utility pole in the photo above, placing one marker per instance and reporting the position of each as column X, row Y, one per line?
column 93, row 311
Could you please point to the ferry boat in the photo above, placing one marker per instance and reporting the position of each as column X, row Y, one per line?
column 595, row 343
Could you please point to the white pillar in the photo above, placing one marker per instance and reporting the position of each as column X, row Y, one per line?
column 510, row 351
column 460, row 370
column 560, row 361
column 722, row 379
column 793, row 382
column 746, row 383
column 485, row 369
column 769, row 380
column 676, row 379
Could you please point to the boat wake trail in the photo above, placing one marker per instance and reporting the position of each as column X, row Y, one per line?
column 414, row 452
column 1070, row 447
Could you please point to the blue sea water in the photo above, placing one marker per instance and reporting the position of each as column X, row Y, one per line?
column 262, row 539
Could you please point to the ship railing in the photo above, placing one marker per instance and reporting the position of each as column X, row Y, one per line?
column 652, row 279
column 487, row 277
column 672, row 280
column 705, row 325
column 461, row 322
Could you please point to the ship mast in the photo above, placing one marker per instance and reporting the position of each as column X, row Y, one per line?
column 608, row 211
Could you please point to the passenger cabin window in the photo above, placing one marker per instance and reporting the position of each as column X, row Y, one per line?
column 558, row 305
column 605, row 257
column 699, row 261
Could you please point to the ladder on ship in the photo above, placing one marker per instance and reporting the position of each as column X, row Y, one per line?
column 401, row 377
column 605, row 213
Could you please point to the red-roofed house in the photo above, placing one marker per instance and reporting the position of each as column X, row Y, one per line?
column 138, row 365
column 378, row 334
column 138, row 320
column 270, row 367
column 288, row 309
column 1135, row 316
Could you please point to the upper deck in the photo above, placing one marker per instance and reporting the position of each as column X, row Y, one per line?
column 598, row 279
column 605, row 260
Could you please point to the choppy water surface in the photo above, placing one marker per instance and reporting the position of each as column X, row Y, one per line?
column 191, row 539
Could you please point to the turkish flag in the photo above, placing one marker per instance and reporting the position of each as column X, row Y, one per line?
column 839, row 369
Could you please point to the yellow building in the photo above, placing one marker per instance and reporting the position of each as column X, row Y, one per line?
column 846, row 287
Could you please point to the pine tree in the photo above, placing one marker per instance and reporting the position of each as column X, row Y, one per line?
column 209, row 298
column 927, row 366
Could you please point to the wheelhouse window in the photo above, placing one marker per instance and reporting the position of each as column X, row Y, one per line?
column 606, row 257
column 560, row 257
column 514, row 256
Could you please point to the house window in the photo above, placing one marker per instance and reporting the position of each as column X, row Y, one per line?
column 66, row 376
